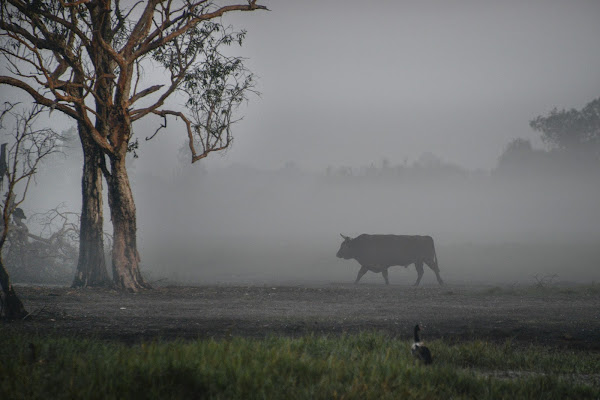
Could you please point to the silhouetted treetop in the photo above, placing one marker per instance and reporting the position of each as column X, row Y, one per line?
column 572, row 130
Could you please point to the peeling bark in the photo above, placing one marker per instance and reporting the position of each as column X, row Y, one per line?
column 91, row 264
column 125, row 256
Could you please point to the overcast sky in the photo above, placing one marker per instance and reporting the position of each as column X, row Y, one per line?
column 353, row 82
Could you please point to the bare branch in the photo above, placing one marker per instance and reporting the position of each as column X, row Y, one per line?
column 144, row 93
column 156, row 40
column 73, row 3
column 161, row 126
column 25, row 152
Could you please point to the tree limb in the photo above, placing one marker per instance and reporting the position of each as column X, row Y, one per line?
column 144, row 93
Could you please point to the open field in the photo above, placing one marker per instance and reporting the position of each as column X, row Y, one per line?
column 314, row 341
column 363, row 366
column 557, row 316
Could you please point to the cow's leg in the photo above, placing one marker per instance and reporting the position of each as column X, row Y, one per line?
column 385, row 276
column 434, row 267
column 361, row 272
column 419, row 267
column 437, row 275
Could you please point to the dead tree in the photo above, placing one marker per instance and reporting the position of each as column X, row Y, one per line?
column 86, row 59
column 48, row 254
column 26, row 150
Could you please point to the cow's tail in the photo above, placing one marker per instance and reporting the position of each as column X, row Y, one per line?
column 437, row 267
column 435, row 259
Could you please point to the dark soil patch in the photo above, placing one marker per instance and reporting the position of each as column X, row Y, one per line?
column 563, row 318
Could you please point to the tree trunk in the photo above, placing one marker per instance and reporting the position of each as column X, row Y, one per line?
column 91, row 265
column 10, row 303
column 125, row 256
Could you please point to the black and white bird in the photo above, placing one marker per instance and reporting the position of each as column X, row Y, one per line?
column 419, row 350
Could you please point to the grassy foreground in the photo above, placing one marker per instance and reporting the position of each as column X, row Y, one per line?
column 368, row 365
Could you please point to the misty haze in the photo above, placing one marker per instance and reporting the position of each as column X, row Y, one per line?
column 200, row 183
column 242, row 224
column 393, row 136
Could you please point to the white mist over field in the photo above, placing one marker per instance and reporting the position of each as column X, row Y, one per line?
column 375, row 118
column 243, row 224
column 199, row 224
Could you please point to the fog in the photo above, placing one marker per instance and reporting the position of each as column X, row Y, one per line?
column 376, row 118
column 243, row 224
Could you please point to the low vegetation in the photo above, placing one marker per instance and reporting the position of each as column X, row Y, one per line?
column 368, row 365
column 542, row 287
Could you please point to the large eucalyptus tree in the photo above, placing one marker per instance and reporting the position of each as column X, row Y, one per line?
column 85, row 58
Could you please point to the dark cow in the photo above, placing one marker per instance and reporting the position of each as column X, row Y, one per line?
column 379, row 252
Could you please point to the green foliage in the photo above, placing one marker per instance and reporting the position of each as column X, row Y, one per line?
column 573, row 138
column 368, row 365
column 214, row 84
column 572, row 130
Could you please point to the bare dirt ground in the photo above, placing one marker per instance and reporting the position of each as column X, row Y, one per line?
column 563, row 317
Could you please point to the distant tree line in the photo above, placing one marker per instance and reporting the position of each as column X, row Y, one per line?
column 572, row 139
column 427, row 167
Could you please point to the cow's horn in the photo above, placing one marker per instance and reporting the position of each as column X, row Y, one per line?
column 345, row 237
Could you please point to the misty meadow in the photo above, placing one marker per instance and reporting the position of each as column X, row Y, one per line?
column 221, row 199
column 521, row 220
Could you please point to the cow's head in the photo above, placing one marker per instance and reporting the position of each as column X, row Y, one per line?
column 345, row 250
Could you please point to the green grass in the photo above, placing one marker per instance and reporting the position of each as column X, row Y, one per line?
column 368, row 365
